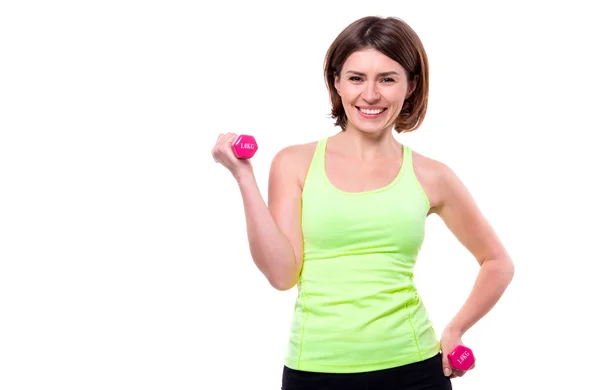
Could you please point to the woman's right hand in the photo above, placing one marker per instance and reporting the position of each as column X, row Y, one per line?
column 223, row 154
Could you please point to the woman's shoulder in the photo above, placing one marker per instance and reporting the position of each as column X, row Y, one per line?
column 294, row 159
column 296, row 154
column 435, row 177
column 429, row 166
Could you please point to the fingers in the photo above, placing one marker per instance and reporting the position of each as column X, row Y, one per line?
column 450, row 371
column 227, row 138
column 219, row 142
column 457, row 373
column 222, row 146
column 446, row 365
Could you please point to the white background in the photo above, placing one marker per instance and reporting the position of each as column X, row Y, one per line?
column 124, row 261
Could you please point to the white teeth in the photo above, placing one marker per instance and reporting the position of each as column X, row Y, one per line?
column 370, row 111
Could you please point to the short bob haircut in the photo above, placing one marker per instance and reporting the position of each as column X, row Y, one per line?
column 397, row 40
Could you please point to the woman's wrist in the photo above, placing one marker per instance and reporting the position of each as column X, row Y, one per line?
column 244, row 177
column 454, row 329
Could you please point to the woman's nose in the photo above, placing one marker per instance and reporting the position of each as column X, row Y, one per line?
column 371, row 92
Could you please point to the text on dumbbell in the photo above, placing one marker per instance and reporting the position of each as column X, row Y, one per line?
column 463, row 357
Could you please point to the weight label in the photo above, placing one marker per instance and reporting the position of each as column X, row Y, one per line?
column 463, row 357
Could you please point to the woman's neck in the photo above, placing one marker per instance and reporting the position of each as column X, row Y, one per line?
column 366, row 146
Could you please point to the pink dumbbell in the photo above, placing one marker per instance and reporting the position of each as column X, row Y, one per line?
column 244, row 146
column 461, row 358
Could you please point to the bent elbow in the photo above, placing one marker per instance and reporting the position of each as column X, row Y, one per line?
column 505, row 269
column 283, row 284
column 510, row 270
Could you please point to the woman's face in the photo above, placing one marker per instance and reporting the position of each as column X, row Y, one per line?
column 373, row 88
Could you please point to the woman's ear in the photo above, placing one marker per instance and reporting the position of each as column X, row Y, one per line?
column 412, row 86
column 336, row 82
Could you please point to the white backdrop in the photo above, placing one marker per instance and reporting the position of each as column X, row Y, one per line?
column 124, row 262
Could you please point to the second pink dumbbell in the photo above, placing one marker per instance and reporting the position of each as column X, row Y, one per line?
column 461, row 358
column 244, row 146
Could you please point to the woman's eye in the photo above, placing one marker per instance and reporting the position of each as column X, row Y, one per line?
column 386, row 80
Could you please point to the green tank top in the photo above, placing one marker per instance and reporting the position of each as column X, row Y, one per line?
column 357, row 307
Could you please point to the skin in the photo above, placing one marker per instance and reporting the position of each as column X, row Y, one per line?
column 364, row 157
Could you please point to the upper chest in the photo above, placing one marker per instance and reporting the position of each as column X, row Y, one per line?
column 355, row 176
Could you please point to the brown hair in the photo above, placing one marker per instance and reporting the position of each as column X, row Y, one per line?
column 397, row 40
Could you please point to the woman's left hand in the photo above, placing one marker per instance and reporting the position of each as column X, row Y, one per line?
column 450, row 340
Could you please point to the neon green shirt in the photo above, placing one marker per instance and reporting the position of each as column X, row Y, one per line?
column 357, row 307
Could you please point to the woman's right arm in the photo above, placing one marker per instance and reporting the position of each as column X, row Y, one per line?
column 274, row 231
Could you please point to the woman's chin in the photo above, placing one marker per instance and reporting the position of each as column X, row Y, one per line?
column 371, row 128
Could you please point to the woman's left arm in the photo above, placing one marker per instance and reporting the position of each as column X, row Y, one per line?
column 464, row 219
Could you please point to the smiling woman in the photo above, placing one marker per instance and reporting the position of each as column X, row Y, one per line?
column 369, row 59
column 370, row 94
column 345, row 222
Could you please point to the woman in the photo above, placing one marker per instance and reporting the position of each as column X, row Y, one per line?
column 345, row 221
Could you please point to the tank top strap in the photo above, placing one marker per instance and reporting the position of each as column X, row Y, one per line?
column 316, row 170
column 407, row 163
column 407, row 157
column 319, row 157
